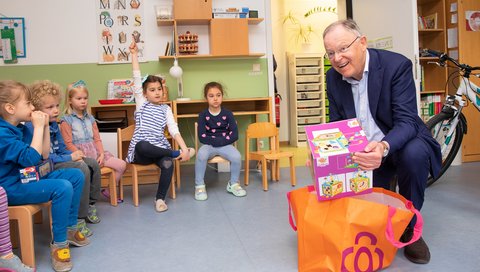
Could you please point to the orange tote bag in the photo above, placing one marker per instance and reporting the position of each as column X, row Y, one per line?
column 358, row 233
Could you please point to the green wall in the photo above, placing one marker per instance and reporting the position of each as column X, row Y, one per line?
column 234, row 74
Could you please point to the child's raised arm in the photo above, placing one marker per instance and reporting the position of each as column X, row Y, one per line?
column 137, row 78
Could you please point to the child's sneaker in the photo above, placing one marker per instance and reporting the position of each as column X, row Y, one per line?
column 82, row 227
column 60, row 258
column 200, row 192
column 13, row 263
column 92, row 216
column 236, row 189
column 160, row 205
column 106, row 194
column 76, row 238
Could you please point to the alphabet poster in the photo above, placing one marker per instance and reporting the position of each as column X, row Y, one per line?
column 118, row 23
column 18, row 25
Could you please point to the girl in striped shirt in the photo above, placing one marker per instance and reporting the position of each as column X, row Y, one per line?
column 149, row 144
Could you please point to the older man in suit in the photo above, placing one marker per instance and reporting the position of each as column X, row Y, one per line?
column 377, row 87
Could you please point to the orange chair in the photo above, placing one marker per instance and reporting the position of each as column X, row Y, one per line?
column 22, row 228
column 124, row 136
column 272, row 155
column 112, row 186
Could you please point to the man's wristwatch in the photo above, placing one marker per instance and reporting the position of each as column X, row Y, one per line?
column 385, row 148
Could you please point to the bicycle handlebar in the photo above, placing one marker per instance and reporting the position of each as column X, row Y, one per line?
column 443, row 57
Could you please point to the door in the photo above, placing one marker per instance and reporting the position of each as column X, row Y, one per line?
column 391, row 25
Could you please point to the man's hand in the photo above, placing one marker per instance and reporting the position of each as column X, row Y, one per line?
column 371, row 157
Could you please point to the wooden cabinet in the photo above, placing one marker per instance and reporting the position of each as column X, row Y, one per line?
column 229, row 37
column 468, row 53
column 192, row 9
column 307, row 94
column 226, row 38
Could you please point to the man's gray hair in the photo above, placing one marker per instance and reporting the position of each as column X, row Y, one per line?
column 348, row 24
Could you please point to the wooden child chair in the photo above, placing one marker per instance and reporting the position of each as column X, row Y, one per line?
column 21, row 222
column 124, row 136
column 271, row 155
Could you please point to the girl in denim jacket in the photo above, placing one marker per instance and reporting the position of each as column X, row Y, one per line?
column 80, row 132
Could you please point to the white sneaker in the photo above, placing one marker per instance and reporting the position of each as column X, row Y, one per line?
column 236, row 189
column 200, row 193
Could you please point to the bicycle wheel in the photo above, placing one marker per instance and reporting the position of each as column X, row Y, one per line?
column 440, row 126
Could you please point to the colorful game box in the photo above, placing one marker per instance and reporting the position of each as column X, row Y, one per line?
column 335, row 174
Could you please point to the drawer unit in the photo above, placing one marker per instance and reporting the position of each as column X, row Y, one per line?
column 309, row 104
column 308, row 87
column 308, row 71
column 307, row 94
column 302, row 96
column 308, row 79
column 308, row 112
column 309, row 120
column 308, row 62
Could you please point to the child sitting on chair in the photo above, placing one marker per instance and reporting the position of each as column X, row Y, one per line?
column 217, row 131
column 80, row 132
column 46, row 98
column 149, row 144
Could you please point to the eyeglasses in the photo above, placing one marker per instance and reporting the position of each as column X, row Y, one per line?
column 342, row 50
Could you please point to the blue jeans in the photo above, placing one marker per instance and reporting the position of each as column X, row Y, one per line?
column 207, row 152
column 63, row 187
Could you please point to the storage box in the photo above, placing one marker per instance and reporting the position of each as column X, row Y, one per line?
column 331, row 145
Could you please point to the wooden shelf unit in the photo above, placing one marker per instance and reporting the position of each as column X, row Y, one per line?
column 307, row 94
column 228, row 37
column 241, row 106
column 433, row 77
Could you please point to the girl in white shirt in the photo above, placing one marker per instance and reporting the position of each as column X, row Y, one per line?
column 149, row 144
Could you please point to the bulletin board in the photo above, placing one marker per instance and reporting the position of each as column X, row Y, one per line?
column 118, row 22
column 18, row 24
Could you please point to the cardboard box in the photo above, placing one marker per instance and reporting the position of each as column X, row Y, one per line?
column 331, row 145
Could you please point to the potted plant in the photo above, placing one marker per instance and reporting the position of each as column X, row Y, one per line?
column 302, row 30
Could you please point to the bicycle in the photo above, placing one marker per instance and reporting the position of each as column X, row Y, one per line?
column 449, row 126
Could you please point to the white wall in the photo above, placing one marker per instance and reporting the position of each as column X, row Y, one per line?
column 64, row 32
column 283, row 43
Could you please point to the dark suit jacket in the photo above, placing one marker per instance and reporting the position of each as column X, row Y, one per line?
column 392, row 99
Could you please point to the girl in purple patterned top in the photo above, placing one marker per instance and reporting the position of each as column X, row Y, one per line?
column 217, row 131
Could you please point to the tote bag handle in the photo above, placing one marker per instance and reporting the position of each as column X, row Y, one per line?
column 310, row 188
column 417, row 230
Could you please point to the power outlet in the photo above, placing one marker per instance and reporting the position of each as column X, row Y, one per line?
column 261, row 144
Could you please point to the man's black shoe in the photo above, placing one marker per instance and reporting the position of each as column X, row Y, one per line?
column 417, row 252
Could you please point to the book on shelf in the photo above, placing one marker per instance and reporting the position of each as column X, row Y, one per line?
column 430, row 105
column 428, row 21
column 167, row 49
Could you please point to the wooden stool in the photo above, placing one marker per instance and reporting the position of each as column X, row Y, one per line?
column 23, row 216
